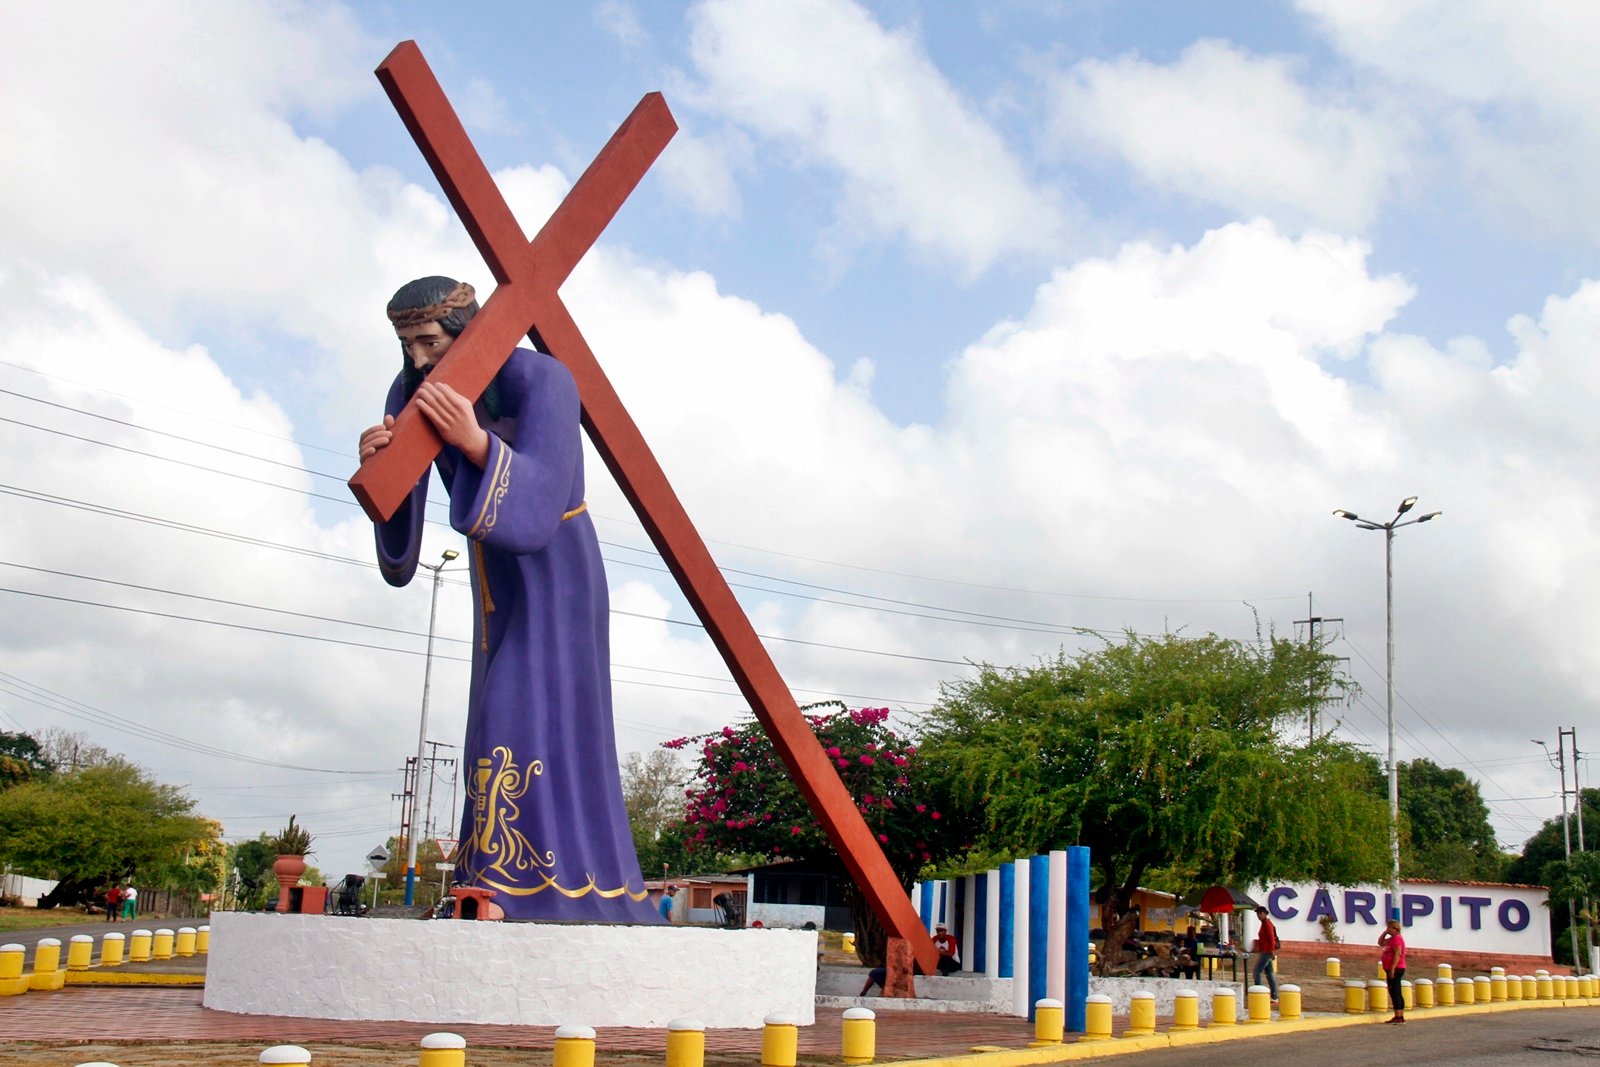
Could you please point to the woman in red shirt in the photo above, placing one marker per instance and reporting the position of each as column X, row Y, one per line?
column 1393, row 944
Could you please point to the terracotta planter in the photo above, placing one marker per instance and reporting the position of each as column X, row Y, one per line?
column 287, row 870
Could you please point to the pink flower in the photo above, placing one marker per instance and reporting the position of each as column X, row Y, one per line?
column 921, row 808
column 843, row 764
column 833, row 750
column 731, row 825
column 740, row 767
column 935, row 815
column 727, row 731
column 795, row 830
column 868, row 798
column 867, row 760
column 883, row 839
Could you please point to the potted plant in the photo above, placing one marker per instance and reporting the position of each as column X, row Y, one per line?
column 293, row 845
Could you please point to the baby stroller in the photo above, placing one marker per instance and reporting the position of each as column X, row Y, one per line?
column 347, row 895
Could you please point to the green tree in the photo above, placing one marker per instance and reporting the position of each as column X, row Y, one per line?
column 1446, row 833
column 652, row 793
column 98, row 824
column 1161, row 753
column 252, row 861
column 1540, row 856
column 22, row 759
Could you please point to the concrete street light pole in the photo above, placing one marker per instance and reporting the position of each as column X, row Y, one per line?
column 1388, row 529
column 422, row 730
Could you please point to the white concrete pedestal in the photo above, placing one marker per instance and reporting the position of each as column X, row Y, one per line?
column 536, row 974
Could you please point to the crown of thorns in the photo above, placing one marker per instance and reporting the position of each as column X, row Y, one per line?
column 461, row 296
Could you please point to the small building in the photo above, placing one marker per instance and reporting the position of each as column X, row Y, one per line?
column 696, row 900
column 794, row 892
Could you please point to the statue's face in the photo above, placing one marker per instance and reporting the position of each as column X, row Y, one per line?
column 424, row 345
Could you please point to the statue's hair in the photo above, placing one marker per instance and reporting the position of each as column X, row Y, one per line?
column 449, row 303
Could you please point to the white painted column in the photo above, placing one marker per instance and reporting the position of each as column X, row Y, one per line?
column 1019, row 950
column 1055, row 978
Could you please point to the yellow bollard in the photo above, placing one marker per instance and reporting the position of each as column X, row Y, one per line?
column 780, row 1041
column 80, row 952
column 1377, row 996
column 111, row 949
column 443, row 1049
column 139, row 952
column 47, row 972
column 1331, row 968
column 1049, row 1023
column 1096, row 1018
column 1586, row 985
column 860, row 1037
column 1446, row 974
column 1141, row 1014
column 1258, row 1004
column 1513, row 987
column 1444, row 993
column 847, row 942
column 686, row 1041
column 12, row 981
column 1185, row 1010
column 1288, row 1002
column 1422, row 993
column 1482, row 989
column 1530, row 987
column 184, row 945
column 202, row 939
column 161, row 944
column 1224, row 1008
column 1355, row 997
column 1546, row 988
column 1466, row 992
column 285, row 1056
column 1497, row 988
column 574, row 1047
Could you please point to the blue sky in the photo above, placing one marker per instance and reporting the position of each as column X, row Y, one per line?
column 1077, row 315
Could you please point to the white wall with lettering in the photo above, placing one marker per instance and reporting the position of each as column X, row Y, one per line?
column 1436, row 915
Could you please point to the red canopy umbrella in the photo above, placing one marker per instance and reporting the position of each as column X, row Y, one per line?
column 1221, row 898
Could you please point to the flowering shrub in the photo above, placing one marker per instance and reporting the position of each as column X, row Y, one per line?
column 742, row 798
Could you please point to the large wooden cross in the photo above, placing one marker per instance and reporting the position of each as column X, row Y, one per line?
column 526, row 302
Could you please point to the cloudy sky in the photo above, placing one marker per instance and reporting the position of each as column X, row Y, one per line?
column 957, row 328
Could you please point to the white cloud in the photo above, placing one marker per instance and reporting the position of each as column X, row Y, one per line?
column 622, row 22
column 824, row 82
column 1238, row 130
column 1505, row 87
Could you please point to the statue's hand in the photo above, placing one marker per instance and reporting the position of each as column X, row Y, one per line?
column 374, row 438
column 452, row 415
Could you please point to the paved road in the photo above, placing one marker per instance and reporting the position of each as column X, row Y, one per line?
column 1502, row 1039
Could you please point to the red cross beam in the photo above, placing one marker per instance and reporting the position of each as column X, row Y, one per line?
column 526, row 302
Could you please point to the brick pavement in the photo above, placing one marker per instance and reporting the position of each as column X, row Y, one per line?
column 92, row 1014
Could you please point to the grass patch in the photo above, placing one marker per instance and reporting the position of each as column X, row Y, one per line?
column 34, row 919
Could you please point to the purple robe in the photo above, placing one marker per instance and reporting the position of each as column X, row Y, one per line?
column 545, row 826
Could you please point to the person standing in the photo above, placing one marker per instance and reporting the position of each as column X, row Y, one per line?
column 1266, row 953
column 130, row 902
column 666, row 901
column 113, row 903
column 1393, row 943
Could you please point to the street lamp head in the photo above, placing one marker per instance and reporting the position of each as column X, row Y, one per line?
column 1429, row 515
column 1341, row 513
column 450, row 554
column 1365, row 525
column 1406, row 505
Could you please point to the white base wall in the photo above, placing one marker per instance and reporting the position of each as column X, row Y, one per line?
column 536, row 974
column 1121, row 991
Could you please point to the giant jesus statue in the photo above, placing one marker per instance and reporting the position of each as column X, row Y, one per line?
column 544, row 825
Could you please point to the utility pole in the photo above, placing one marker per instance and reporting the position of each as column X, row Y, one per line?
column 1559, row 761
column 1314, row 622
column 1577, row 809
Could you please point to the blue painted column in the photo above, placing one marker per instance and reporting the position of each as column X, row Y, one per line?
column 1008, row 916
column 1039, row 890
column 980, row 937
column 926, row 911
column 1077, row 937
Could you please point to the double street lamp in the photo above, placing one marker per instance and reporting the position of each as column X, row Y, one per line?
column 422, row 731
column 1388, row 529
